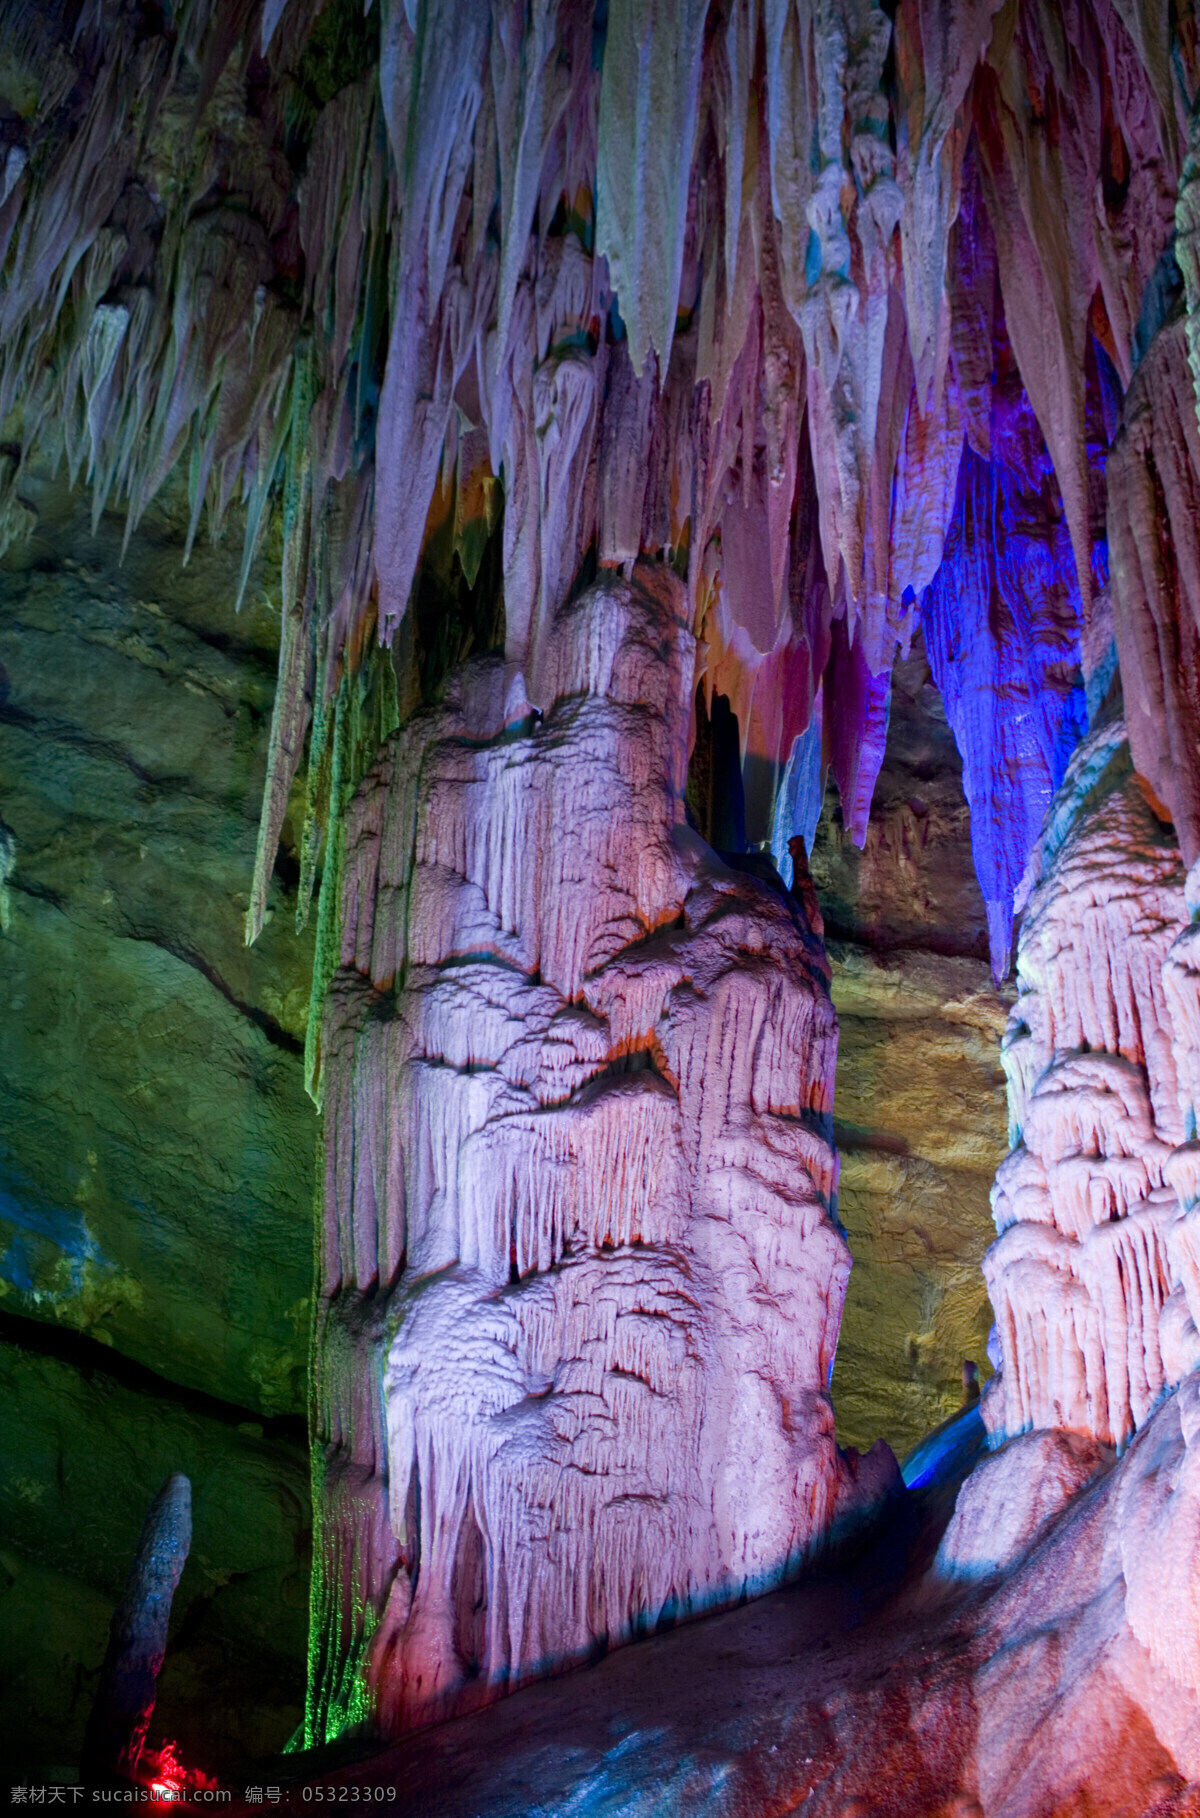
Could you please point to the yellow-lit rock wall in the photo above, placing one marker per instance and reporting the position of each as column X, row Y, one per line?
column 919, row 1104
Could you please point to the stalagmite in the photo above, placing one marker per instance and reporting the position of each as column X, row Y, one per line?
column 1088, row 1218
column 579, row 1188
column 137, row 1639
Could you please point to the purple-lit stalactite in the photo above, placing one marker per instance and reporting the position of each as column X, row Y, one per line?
column 1002, row 627
column 1005, row 619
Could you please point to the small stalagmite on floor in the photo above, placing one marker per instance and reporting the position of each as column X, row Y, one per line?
column 137, row 1641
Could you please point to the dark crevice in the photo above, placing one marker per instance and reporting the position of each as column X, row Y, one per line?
column 487, row 956
column 715, row 797
column 39, row 1338
column 187, row 956
column 60, row 733
column 634, row 1060
column 42, row 893
column 882, row 1142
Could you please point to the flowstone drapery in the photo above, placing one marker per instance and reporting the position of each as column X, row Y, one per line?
column 805, row 326
column 581, row 1277
column 1093, row 1276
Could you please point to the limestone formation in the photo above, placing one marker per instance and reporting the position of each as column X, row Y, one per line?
column 1153, row 501
column 591, row 374
column 725, row 283
column 1010, row 1496
column 1093, row 1276
column 137, row 1640
column 579, row 1185
column 1081, row 1269
column 919, row 1117
column 1064, row 1681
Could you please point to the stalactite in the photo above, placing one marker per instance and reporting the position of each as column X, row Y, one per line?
column 1153, row 502
column 827, row 308
column 1001, row 625
column 936, row 49
column 649, row 99
column 1041, row 212
column 800, row 286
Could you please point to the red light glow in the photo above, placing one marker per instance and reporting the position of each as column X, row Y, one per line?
column 167, row 1778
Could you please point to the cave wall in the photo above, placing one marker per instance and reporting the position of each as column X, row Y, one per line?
column 154, row 1112
column 919, row 1116
column 156, row 1201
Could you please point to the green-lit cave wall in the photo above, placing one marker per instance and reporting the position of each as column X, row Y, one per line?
column 157, row 1142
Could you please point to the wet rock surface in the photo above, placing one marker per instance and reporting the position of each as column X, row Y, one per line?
column 918, row 1103
column 156, row 1147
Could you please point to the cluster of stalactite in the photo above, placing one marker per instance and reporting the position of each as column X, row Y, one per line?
column 798, row 296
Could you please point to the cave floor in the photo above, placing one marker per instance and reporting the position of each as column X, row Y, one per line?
column 874, row 1687
column 759, row 1709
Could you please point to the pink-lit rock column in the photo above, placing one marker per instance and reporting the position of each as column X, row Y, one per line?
column 580, row 1280
column 1089, row 1273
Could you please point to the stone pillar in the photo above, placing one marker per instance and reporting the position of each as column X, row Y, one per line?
column 1086, row 1213
column 581, row 1276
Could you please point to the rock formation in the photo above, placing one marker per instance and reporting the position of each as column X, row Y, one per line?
column 1153, row 498
column 611, row 385
column 1048, row 1664
column 137, row 1641
column 919, row 1116
column 1081, row 1269
column 393, row 272
column 579, row 1186
column 1093, row 1277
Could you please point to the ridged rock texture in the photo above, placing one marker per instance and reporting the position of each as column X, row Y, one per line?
column 1048, row 1663
column 581, row 1283
column 802, row 298
column 1091, row 1272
